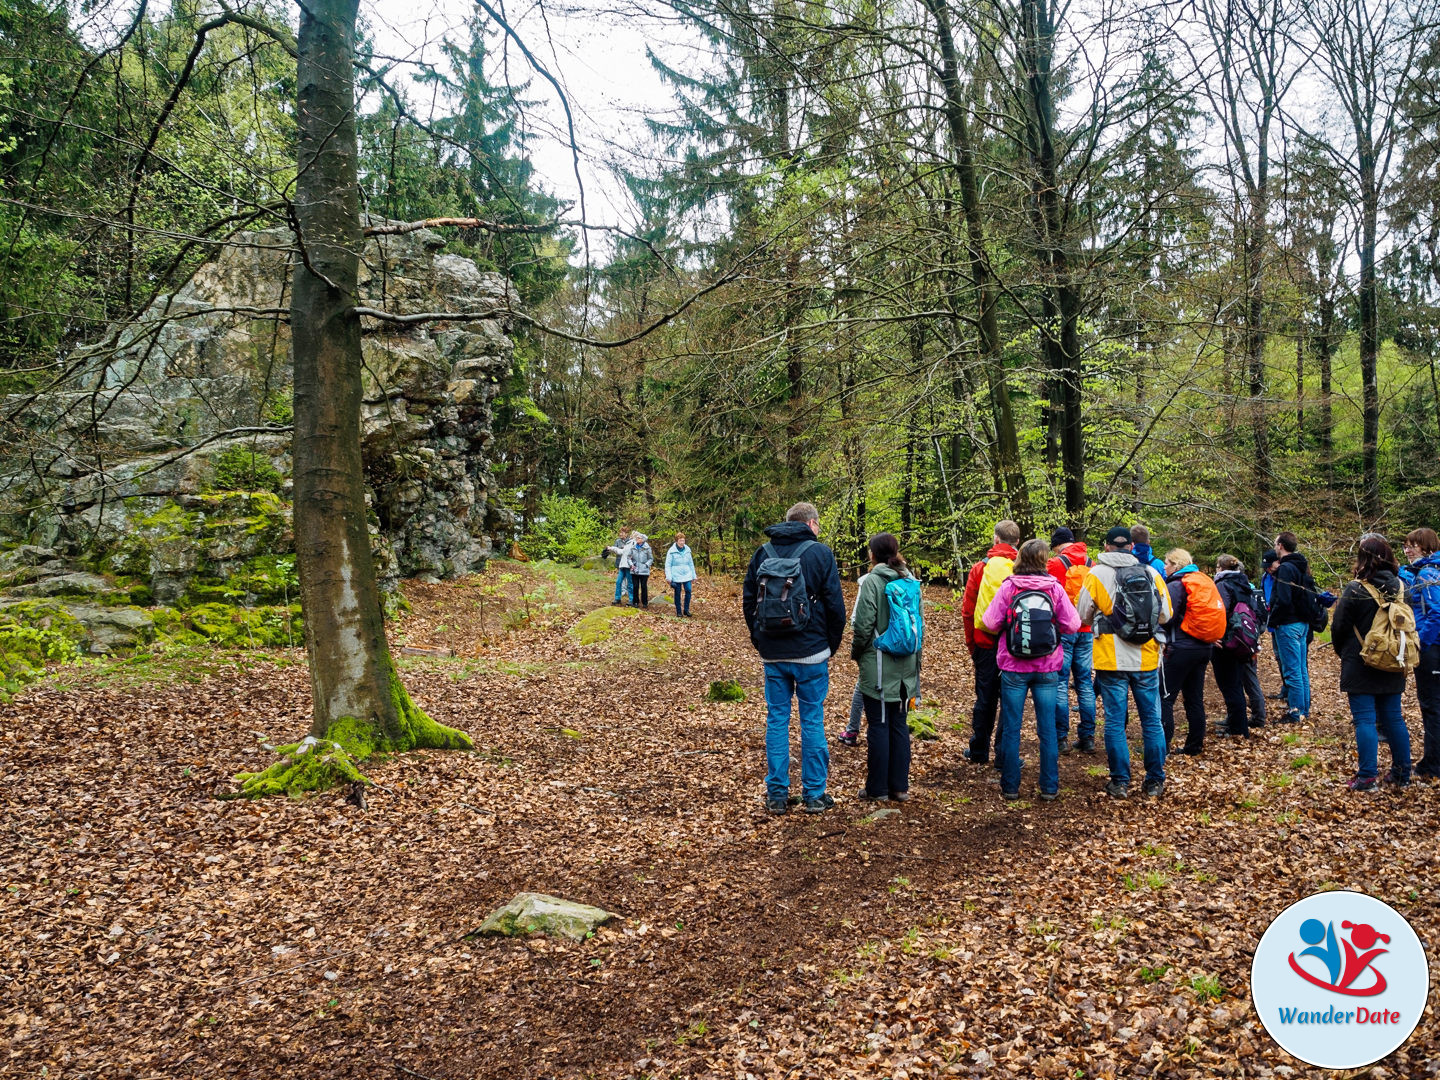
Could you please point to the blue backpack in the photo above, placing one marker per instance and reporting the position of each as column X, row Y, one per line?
column 903, row 636
column 1424, row 588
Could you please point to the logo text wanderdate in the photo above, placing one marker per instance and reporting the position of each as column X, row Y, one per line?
column 1333, row 1015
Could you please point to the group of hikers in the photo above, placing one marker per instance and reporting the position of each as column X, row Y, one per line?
column 635, row 558
column 1124, row 625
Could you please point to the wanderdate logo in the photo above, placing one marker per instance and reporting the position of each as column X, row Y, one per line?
column 1319, row 956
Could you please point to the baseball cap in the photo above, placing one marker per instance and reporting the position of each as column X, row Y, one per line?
column 1118, row 535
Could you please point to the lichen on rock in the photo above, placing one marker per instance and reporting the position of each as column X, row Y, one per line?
column 539, row 913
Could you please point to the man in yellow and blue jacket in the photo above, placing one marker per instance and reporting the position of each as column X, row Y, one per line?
column 1127, row 655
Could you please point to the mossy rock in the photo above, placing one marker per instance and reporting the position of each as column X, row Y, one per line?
column 537, row 913
column 924, row 722
column 599, row 625
column 725, row 690
column 230, row 626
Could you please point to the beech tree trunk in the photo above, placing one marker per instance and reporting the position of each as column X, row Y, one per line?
column 359, row 704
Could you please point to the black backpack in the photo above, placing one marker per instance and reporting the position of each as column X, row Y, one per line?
column 1134, row 615
column 1316, row 613
column 783, row 605
column 1030, row 630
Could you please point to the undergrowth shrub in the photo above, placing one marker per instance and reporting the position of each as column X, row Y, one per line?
column 567, row 529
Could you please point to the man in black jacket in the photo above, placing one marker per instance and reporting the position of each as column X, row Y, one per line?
column 797, row 662
column 1292, row 604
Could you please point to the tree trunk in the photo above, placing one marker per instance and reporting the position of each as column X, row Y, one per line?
column 1369, row 340
column 1007, row 439
column 1300, row 386
column 1255, row 342
column 1325, row 351
column 359, row 704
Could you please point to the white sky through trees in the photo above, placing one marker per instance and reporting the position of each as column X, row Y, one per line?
column 598, row 57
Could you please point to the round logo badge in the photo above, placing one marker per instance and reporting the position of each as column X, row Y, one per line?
column 1339, row 980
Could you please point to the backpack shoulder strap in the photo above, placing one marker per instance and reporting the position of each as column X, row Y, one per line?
column 1065, row 559
column 769, row 550
column 805, row 545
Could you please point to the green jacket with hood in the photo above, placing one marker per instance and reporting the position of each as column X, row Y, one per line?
column 900, row 674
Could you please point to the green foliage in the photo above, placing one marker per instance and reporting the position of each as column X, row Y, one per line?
column 923, row 722
column 1206, row 988
column 26, row 650
column 725, row 690
column 568, row 530
column 239, row 469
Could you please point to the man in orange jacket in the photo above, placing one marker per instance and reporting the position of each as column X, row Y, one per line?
column 980, row 588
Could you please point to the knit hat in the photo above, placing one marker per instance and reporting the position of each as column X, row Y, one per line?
column 1060, row 536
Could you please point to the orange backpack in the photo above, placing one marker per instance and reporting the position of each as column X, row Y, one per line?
column 1205, row 617
column 1074, row 575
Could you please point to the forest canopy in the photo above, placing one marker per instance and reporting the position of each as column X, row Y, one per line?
column 923, row 264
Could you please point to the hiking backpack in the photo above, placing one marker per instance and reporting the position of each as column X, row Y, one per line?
column 1425, row 601
column 1074, row 575
column 784, row 600
column 1030, row 630
column 1204, row 619
column 1135, row 610
column 1244, row 626
column 904, row 634
column 997, row 569
column 1315, row 613
column 1391, row 643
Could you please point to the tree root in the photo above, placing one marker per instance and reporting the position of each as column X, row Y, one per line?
column 319, row 764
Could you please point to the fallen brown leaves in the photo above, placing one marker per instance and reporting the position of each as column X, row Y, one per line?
column 151, row 930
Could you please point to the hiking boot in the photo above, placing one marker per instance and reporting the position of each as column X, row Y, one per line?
column 1392, row 779
column 849, row 738
column 1153, row 789
column 1291, row 717
column 1117, row 790
column 900, row 796
column 777, row 804
column 1064, row 746
column 1010, row 796
column 1085, row 746
column 1257, row 723
column 974, row 760
column 1356, row 783
column 864, row 796
column 819, row 804
column 1049, row 796
column 1276, row 697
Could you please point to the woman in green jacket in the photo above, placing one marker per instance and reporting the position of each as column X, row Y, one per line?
column 887, row 680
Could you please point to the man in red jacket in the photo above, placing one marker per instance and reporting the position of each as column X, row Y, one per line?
column 1069, row 565
column 980, row 588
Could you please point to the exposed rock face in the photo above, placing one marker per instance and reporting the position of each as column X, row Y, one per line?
column 167, row 459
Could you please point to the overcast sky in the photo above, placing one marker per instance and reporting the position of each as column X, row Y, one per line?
column 599, row 60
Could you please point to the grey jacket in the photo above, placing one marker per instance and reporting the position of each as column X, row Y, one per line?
column 642, row 558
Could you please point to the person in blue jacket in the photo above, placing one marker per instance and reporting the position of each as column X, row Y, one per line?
column 1422, row 586
column 680, row 572
column 1268, row 562
column 797, row 662
column 1141, row 549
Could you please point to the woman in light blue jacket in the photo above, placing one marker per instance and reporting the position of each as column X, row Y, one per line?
column 680, row 572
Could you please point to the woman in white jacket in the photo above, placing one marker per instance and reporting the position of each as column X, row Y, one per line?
column 680, row 573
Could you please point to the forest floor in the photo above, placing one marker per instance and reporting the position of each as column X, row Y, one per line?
column 153, row 930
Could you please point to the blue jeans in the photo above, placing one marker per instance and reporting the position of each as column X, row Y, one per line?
column 680, row 586
column 809, row 684
column 1013, row 687
column 1292, row 649
column 1384, row 709
column 1114, row 688
column 622, row 581
column 1079, row 667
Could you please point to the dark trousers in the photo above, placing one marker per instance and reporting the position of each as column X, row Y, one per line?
column 1250, row 680
column 987, row 703
column 1185, row 674
column 887, row 745
column 1238, row 679
column 1427, row 691
column 642, row 589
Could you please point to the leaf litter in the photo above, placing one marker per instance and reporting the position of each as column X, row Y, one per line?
column 153, row 929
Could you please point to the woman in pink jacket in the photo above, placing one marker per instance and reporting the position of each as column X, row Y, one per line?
column 1028, row 615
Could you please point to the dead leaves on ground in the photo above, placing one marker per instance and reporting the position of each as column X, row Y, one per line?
column 153, row 930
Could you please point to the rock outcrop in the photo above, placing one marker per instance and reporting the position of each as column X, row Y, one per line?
column 165, row 457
